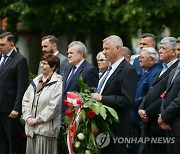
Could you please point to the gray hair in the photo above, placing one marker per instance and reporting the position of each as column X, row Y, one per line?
column 170, row 41
column 152, row 53
column 114, row 40
column 81, row 48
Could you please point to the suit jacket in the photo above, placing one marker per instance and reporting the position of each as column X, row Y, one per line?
column 119, row 93
column 89, row 74
column 13, row 82
column 63, row 63
column 138, row 68
column 170, row 110
column 142, row 89
column 152, row 101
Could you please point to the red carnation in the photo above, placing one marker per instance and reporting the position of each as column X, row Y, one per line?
column 65, row 102
column 91, row 114
column 69, row 112
column 163, row 94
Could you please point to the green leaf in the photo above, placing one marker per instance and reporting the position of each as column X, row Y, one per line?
column 103, row 112
column 112, row 111
column 95, row 108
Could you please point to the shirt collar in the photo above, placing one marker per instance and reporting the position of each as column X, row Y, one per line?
column 115, row 65
column 56, row 53
column 172, row 62
column 9, row 53
column 79, row 63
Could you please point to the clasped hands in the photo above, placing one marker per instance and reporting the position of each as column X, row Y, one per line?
column 31, row 121
column 162, row 124
column 142, row 114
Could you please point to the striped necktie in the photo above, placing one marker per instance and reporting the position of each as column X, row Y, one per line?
column 103, row 79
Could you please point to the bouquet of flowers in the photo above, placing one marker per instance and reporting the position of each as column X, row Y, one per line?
column 86, row 118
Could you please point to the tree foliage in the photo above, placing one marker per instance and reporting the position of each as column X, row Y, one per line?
column 93, row 19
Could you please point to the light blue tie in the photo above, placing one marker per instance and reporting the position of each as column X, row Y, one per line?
column 104, row 79
column 4, row 60
column 165, row 67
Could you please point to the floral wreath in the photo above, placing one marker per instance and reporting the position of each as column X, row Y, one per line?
column 86, row 118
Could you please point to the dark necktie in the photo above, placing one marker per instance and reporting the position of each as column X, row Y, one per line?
column 71, row 76
column 4, row 60
column 103, row 79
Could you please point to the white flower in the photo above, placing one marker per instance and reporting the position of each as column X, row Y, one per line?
column 81, row 136
column 87, row 152
column 77, row 144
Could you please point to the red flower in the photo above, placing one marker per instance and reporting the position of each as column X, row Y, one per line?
column 65, row 102
column 79, row 101
column 69, row 112
column 163, row 94
column 91, row 114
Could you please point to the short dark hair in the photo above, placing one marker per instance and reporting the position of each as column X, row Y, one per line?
column 9, row 35
column 52, row 60
column 51, row 38
column 144, row 35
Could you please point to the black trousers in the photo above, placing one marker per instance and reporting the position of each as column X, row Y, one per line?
column 175, row 147
column 9, row 135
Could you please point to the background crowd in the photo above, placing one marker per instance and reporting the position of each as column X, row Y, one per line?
column 145, row 95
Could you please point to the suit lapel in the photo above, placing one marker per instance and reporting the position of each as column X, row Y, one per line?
column 143, row 77
column 66, row 73
column 118, row 69
column 165, row 73
column 170, row 79
column 8, row 61
column 76, row 75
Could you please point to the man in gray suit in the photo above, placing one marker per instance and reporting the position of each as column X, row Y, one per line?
column 50, row 45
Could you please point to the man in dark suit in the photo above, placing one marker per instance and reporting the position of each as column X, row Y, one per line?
column 150, row 108
column 50, row 45
column 117, row 91
column 78, row 67
column 77, row 59
column 13, row 83
column 169, row 119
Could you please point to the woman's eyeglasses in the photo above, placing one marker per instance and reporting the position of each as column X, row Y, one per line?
column 101, row 60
